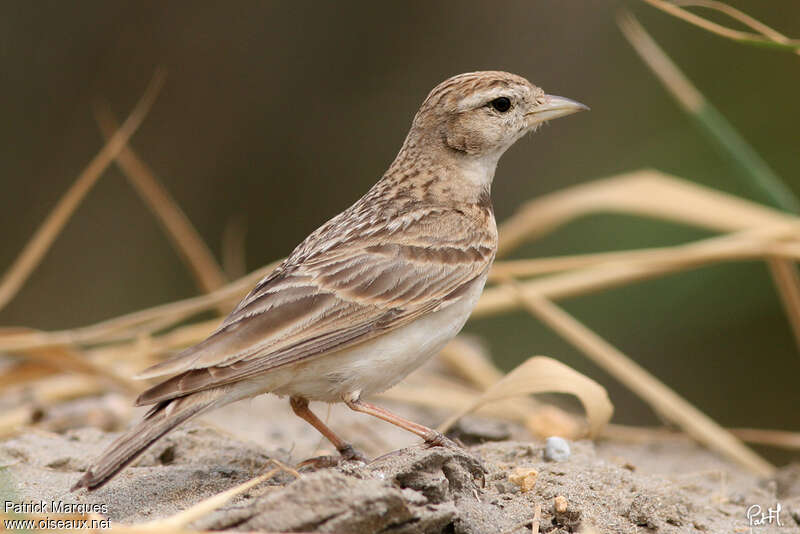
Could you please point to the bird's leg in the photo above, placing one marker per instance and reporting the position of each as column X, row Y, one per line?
column 346, row 451
column 432, row 437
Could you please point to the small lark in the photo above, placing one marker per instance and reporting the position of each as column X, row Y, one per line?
column 371, row 294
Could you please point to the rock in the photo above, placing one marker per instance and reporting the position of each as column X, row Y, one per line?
column 438, row 473
column 560, row 505
column 643, row 511
column 564, row 517
column 524, row 477
column 329, row 501
column 474, row 430
column 416, row 490
column 556, row 449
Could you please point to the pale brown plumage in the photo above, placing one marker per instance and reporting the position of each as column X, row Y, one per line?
column 408, row 259
column 341, row 289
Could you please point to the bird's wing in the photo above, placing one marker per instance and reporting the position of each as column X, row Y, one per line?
column 334, row 293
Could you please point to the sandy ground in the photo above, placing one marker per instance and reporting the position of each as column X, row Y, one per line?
column 493, row 486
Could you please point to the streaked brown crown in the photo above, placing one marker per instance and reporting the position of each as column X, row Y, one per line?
column 445, row 96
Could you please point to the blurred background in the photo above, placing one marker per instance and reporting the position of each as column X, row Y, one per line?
column 278, row 115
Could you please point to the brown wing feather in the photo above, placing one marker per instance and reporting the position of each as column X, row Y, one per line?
column 333, row 295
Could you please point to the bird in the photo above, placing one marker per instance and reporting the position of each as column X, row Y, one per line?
column 371, row 294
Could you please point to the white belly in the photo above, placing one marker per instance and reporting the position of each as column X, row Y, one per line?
column 380, row 363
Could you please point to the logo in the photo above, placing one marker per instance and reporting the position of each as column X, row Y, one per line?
column 759, row 518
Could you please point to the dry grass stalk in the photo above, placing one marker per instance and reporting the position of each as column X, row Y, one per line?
column 233, row 248
column 129, row 326
column 639, row 434
column 534, row 522
column 543, row 421
column 724, row 134
column 440, row 392
column 537, row 519
column 176, row 224
column 47, row 392
column 737, row 15
column 661, row 65
column 765, row 35
column 787, row 282
column 501, row 299
column 545, row 375
column 682, row 256
column 444, row 393
column 63, row 387
column 467, row 360
column 661, row 398
column 773, row 438
column 779, row 439
column 470, row 361
column 35, row 249
column 646, row 193
column 417, row 389
column 25, row 371
column 12, row 420
column 69, row 360
column 183, row 519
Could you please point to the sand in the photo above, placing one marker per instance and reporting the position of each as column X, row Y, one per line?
column 494, row 485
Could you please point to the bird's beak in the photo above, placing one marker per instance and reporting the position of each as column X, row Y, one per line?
column 553, row 108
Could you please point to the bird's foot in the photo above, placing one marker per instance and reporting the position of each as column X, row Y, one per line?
column 319, row 462
column 349, row 454
column 346, row 454
column 437, row 439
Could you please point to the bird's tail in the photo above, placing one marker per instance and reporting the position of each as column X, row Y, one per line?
column 162, row 418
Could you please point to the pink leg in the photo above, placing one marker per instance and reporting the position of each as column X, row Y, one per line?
column 431, row 436
column 301, row 409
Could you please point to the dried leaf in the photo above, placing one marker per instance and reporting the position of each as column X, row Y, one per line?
column 541, row 374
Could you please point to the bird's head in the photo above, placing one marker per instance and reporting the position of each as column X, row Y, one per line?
column 479, row 115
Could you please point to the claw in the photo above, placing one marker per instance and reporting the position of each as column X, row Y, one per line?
column 319, row 462
column 440, row 440
column 346, row 454
column 350, row 454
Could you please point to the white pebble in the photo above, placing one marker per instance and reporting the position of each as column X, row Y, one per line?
column 556, row 449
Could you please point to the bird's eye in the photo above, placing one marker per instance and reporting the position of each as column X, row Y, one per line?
column 501, row 104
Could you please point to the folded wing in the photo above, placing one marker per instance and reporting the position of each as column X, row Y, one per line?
column 332, row 296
